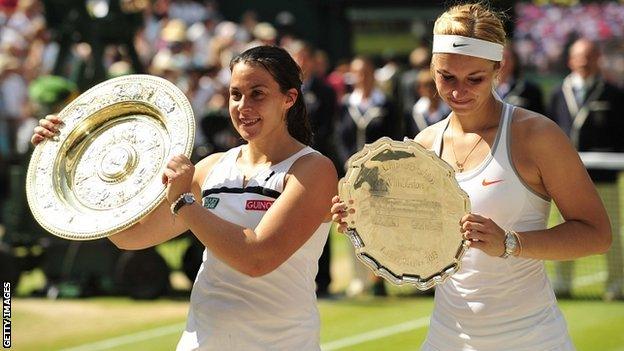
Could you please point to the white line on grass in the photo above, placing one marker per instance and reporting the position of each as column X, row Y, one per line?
column 375, row 334
column 107, row 344
column 328, row 346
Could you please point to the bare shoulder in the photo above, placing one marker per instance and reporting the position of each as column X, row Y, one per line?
column 428, row 135
column 314, row 167
column 537, row 132
column 204, row 166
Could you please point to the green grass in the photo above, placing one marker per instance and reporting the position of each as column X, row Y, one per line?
column 40, row 324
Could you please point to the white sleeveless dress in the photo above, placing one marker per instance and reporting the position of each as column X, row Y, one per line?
column 232, row 311
column 493, row 303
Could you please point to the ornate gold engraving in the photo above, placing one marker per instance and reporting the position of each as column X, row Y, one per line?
column 103, row 171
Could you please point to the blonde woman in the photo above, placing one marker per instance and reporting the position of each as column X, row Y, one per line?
column 512, row 162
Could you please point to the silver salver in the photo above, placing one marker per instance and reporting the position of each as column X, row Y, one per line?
column 407, row 211
column 102, row 172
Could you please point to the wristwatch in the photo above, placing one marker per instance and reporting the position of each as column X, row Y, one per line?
column 511, row 244
column 184, row 199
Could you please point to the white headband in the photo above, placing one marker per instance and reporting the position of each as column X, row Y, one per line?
column 457, row 44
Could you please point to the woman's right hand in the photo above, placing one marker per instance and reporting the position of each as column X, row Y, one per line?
column 47, row 129
column 339, row 212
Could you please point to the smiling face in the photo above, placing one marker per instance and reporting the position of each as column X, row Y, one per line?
column 464, row 82
column 257, row 105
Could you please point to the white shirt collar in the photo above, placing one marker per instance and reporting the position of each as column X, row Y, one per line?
column 376, row 98
column 578, row 82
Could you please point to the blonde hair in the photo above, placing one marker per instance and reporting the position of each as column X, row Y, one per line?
column 473, row 20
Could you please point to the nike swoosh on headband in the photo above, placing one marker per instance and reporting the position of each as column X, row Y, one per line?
column 457, row 44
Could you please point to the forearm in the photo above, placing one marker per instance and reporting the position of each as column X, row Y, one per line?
column 155, row 228
column 235, row 245
column 570, row 240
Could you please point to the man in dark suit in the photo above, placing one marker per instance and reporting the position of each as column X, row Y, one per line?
column 365, row 115
column 320, row 101
column 591, row 112
column 514, row 88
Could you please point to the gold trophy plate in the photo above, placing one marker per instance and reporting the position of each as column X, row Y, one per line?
column 407, row 211
column 102, row 172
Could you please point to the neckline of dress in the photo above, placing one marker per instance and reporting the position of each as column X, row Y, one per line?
column 476, row 170
column 260, row 171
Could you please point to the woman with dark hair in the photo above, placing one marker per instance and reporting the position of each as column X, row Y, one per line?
column 263, row 217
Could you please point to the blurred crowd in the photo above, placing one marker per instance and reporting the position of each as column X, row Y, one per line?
column 543, row 33
column 187, row 42
column 350, row 102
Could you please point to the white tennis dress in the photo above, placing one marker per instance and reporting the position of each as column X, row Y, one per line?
column 232, row 311
column 493, row 303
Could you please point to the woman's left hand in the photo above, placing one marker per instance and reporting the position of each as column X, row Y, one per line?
column 483, row 234
column 178, row 177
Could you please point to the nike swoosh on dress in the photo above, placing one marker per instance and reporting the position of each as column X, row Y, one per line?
column 486, row 183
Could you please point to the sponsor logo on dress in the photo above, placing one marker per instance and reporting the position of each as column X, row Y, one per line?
column 258, row 205
column 486, row 183
column 211, row 202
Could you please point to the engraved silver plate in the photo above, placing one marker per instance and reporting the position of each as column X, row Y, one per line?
column 102, row 173
column 407, row 211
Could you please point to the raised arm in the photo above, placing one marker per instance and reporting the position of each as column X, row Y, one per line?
column 288, row 224
column 160, row 225
column 560, row 173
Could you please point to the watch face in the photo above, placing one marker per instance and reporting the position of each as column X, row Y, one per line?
column 510, row 243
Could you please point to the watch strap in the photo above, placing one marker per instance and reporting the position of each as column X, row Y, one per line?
column 181, row 201
column 512, row 244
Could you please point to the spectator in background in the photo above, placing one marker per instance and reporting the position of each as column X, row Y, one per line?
column 337, row 79
column 200, row 34
column 419, row 59
column 365, row 115
column 264, row 34
column 8, row 67
column 13, row 97
column 429, row 109
column 591, row 111
column 322, row 64
column 189, row 11
column 387, row 76
column 513, row 88
column 173, row 41
column 7, row 7
column 249, row 20
column 320, row 101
